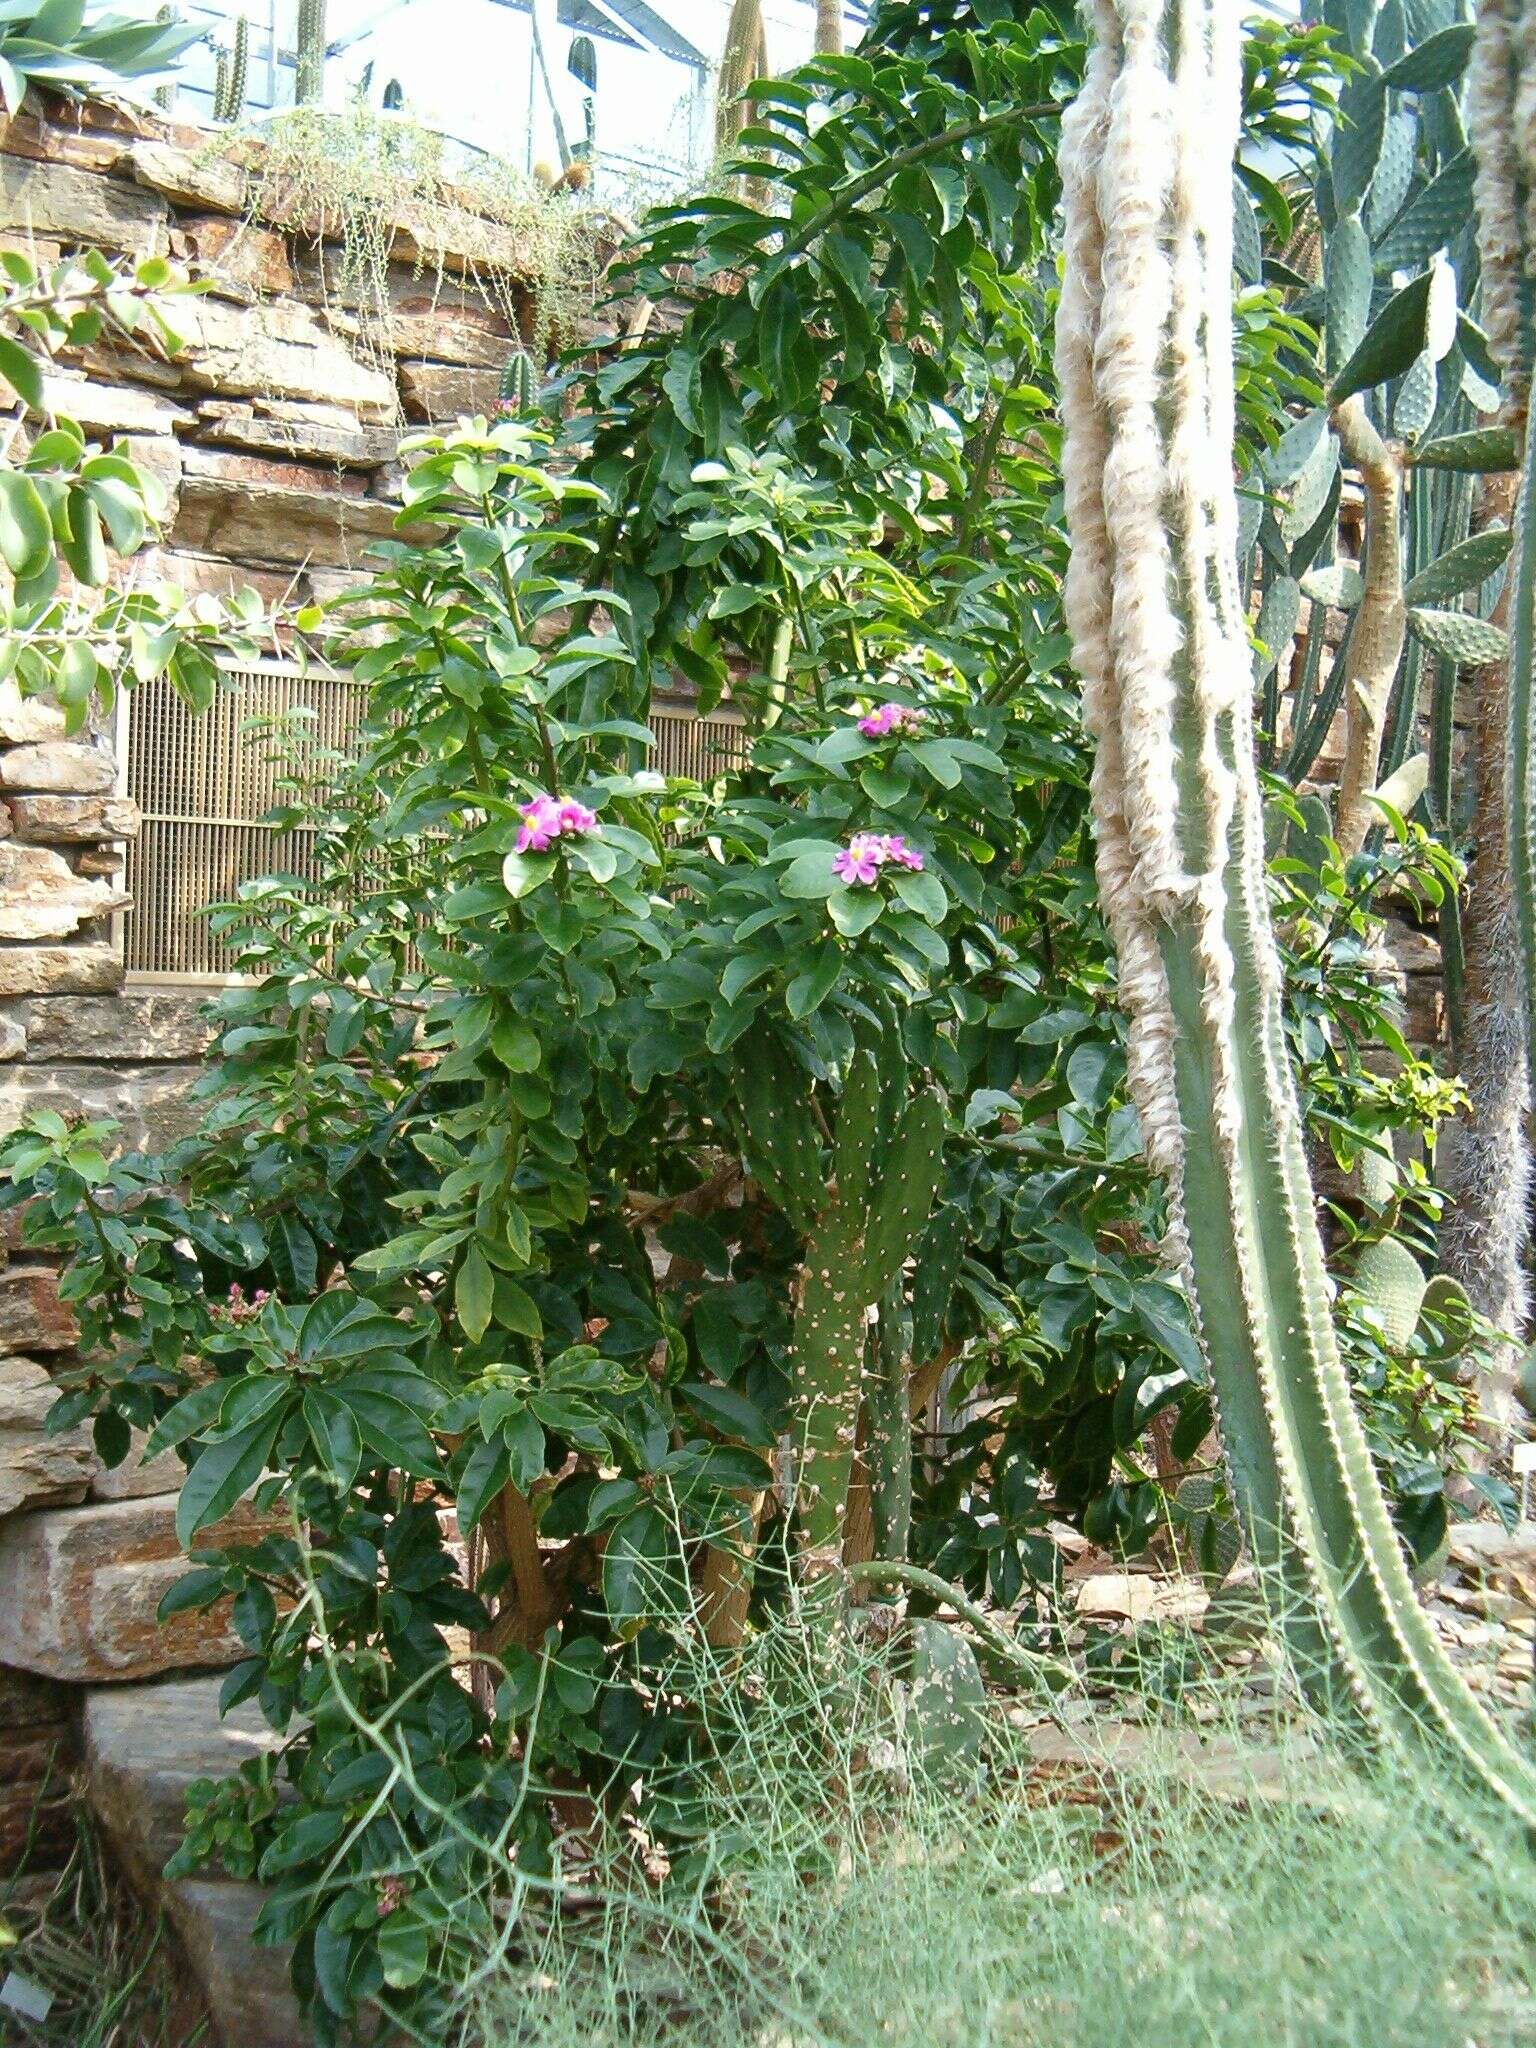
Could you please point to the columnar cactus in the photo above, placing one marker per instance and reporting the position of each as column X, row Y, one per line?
column 309, row 78
column 230, row 73
column 1504, row 64
column 860, row 1226
column 744, row 58
column 1159, row 633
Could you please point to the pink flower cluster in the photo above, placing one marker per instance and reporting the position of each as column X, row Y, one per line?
column 237, row 1309
column 860, row 861
column 890, row 718
column 549, row 818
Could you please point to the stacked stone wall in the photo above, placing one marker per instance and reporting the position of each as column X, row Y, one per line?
column 274, row 435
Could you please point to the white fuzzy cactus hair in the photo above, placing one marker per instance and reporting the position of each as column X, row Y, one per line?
column 1160, row 639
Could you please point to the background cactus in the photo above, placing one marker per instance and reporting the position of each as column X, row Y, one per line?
column 861, row 1223
column 309, row 66
column 744, row 58
column 230, row 72
column 1159, row 634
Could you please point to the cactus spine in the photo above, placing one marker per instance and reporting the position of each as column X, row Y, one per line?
column 309, row 71
column 1145, row 361
column 230, row 74
column 860, row 1227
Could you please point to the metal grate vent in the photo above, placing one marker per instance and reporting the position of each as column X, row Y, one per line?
column 205, row 783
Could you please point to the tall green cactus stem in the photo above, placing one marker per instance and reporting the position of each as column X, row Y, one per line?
column 1145, row 363
column 860, row 1227
column 744, row 58
column 231, row 72
column 309, row 74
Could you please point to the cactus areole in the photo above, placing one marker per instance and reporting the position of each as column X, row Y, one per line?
column 1145, row 361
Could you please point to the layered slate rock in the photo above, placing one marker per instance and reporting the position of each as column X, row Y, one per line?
column 82, row 1586
column 36, row 1469
column 143, row 1746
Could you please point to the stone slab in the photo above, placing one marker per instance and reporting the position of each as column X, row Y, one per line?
column 143, row 1746
column 145, row 1025
column 234, row 253
column 315, row 433
column 60, row 970
column 152, row 1103
column 36, row 1469
column 25, row 720
column 112, row 408
column 279, row 350
column 59, row 768
column 263, row 523
column 74, row 820
column 75, row 206
column 438, row 393
column 82, row 1586
column 189, row 177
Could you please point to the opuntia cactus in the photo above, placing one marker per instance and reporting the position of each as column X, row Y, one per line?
column 1159, row 636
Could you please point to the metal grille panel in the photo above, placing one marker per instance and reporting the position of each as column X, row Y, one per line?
column 205, row 783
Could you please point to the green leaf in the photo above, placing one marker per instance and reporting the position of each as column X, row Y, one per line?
column 474, row 1294
column 810, row 874
column 853, row 911
column 1458, row 636
column 1464, row 567
column 643, row 1571
column 922, row 892
column 26, row 534
column 392, row 1432
column 1394, row 338
column 191, row 1415
column 295, row 1261
column 1432, row 219
column 810, row 989
column 486, row 1473
column 22, row 371
column 729, row 1411
column 516, row 1046
column 403, row 1949
column 191, row 1592
column 223, row 1474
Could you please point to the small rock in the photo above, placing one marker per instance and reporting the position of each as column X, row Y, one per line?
column 59, row 970
column 75, row 820
column 41, row 896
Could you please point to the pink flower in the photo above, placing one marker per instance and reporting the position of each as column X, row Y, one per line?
column 888, row 719
column 548, row 818
column 895, row 848
column 859, row 862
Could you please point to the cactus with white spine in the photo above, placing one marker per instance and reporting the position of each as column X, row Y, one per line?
column 861, row 1223
column 1159, row 635
column 1504, row 136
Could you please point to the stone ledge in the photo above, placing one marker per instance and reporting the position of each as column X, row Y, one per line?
column 60, row 970
column 152, row 1103
column 83, row 1585
column 74, row 820
column 146, row 1026
column 58, row 768
column 41, row 896
column 265, row 523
